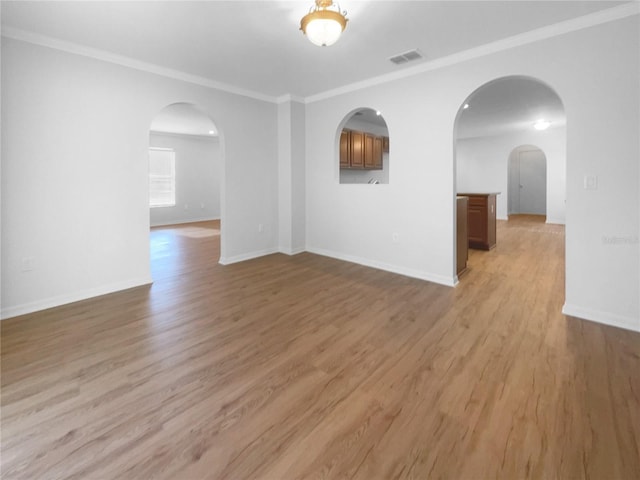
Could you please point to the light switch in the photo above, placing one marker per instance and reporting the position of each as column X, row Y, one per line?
column 590, row 182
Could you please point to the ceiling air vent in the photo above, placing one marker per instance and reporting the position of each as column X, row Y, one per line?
column 406, row 57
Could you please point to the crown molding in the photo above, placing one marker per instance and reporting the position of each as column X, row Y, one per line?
column 290, row 98
column 543, row 33
column 77, row 49
column 561, row 28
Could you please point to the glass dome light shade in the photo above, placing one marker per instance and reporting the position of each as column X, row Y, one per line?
column 323, row 27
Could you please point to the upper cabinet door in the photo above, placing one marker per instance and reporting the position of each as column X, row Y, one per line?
column 345, row 140
column 377, row 153
column 357, row 149
column 368, row 150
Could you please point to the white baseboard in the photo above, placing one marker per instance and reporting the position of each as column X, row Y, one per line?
column 555, row 221
column 51, row 302
column 612, row 319
column 407, row 272
column 291, row 251
column 247, row 256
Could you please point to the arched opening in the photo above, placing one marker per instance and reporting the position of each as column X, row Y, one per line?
column 510, row 141
column 363, row 148
column 185, row 182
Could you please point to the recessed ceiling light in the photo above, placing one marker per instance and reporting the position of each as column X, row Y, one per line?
column 465, row 106
column 378, row 113
column 541, row 124
column 211, row 132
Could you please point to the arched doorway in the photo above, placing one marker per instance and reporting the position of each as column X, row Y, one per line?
column 493, row 120
column 185, row 181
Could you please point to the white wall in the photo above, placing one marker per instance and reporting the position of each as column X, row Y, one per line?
column 75, row 134
column 361, row 222
column 285, row 183
column 298, row 175
column 198, row 165
column 482, row 165
column 595, row 71
column 291, row 177
column 603, row 121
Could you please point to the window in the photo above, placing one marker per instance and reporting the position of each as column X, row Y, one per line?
column 162, row 177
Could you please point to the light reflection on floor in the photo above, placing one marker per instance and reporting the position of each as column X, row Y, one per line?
column 171, row 247
column 176, row 255
column 197, row 232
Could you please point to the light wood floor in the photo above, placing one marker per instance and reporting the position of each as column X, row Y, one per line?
column 308, row 367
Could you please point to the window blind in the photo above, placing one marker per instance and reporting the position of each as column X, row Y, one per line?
column 162, row 177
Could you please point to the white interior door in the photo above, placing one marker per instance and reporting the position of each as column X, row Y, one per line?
column 514, row 184
column 533, row 182
column 528, row 182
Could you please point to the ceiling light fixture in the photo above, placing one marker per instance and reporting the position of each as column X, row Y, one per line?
column 323, row 26
column 465, row 106
column 542, row 124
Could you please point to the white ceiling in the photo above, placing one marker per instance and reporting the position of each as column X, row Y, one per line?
column 256, row 45
column 508, row 105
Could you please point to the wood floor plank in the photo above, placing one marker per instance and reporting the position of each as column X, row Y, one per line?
column 308, row 367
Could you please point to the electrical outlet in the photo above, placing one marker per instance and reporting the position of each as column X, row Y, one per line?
column 590, row 182
column 27, row 264
column 260, row 228
column 395, row 237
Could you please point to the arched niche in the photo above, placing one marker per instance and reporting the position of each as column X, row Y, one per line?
column 363, row 148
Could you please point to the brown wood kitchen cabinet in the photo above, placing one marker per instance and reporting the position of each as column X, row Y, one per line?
column 481, row 220
column 462, row 235
column 372, row 152
column 345, row 148
column 360, row 150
